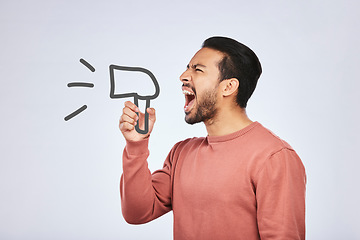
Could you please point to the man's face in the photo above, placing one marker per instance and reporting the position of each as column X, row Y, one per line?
column 200, row 82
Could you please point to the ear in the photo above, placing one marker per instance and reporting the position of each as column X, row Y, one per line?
column 229, row 86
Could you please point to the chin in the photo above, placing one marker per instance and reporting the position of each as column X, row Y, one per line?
column 191, row 120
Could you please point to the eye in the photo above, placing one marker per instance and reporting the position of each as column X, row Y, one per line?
column 198, row 70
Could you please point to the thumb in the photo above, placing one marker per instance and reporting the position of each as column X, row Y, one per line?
column 152, row 116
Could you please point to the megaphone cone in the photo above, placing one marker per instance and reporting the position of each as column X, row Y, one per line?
column 134, row 94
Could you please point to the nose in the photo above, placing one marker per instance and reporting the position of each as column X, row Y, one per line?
column 185, row 77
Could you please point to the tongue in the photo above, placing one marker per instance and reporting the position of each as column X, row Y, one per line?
column 189, row 105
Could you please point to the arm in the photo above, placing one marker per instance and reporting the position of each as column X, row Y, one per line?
column 144, row 196
column 280, row 194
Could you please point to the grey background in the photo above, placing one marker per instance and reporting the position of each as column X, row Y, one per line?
column 59, row 180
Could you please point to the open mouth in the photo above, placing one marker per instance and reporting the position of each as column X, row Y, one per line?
column 189, row 99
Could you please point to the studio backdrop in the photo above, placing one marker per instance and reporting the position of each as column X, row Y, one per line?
column 63, row 87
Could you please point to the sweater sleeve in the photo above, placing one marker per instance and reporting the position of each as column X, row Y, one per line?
column 144, row 196
column 280, row 194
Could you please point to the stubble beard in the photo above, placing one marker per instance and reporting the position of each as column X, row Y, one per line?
column 205, row 109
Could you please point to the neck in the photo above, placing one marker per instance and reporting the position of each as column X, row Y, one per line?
column 227, row 120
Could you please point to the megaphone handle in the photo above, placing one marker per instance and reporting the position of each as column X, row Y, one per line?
column 137, row 127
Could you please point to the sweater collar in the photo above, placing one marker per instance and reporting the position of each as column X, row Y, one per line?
column 231, row 136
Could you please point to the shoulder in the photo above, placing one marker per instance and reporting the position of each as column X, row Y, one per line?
column 267, row 140
column 265, row 147
column 276, row 153
column 188, row 143
column 181, row 148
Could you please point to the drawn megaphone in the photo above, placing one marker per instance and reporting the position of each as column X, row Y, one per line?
column 136, row 96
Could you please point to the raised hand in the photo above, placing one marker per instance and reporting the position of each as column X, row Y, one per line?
column 129, row 119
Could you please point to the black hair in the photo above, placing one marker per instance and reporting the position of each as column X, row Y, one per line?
column 239, row 62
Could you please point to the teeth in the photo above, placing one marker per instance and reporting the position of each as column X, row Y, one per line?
column 187, row 92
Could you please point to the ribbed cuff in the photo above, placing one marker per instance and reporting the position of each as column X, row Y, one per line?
column 137, row 147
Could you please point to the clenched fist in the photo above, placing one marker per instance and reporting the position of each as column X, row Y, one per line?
column 129, row 119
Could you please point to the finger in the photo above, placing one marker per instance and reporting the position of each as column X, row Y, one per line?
column 125, row 126
column 126, row 118
column 129, row 112
column 151, row 112
column 132, row 106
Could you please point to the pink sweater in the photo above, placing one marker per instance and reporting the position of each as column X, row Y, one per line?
column 246, row 185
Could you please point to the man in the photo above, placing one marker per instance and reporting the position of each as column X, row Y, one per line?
column 239, row 182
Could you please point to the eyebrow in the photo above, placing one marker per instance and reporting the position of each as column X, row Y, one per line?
column 195, row 66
